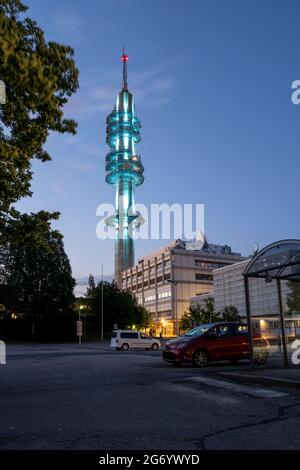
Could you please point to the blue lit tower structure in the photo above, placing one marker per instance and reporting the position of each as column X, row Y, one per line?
column 124, row 170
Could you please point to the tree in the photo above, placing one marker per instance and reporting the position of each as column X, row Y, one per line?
column 142, row 317
column 293, row 298
column 185, row 322
column 36, row 269
column 199, row 314
column 195, row 314
column 230, row 313
column 91, row 286
column 40, row 77
column 205, row 313
column 119, row 307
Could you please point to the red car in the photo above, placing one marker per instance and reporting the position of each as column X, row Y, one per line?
column 215, row 342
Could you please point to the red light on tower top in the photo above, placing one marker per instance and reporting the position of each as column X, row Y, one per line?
column 124, row 57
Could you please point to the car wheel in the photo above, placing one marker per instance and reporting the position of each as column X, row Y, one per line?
column 154, row 347
column 260, row 357
column 125, row 347
column 200, row 358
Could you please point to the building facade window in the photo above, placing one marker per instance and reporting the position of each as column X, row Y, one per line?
column 208, row 264
column 203, row 277
column 164, row 295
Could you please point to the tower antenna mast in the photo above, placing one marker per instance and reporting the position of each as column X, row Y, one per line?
column 124, row 60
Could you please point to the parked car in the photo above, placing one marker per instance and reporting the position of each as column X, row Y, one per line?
column 130, row 339
column 214, row 342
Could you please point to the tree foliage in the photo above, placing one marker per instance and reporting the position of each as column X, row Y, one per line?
column 119, row 307
column 206, row 313
column 35, row 270
column 40, row 77
column 230, row 313
column 185, row 322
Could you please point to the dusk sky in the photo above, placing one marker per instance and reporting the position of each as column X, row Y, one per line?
column 212, row 85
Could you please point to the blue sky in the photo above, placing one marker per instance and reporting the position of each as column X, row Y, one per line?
column 212, row 84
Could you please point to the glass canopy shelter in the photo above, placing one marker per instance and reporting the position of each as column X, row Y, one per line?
column 278, row 261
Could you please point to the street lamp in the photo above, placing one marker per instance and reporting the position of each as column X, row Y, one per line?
column 102, row 325
column 175, row 301
column 79, row 328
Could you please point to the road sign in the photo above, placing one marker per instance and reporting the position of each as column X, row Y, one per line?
column 79, row 327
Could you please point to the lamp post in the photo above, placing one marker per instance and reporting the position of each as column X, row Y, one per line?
column 79, row 328
column 282, row 324
column 174, row 283
column 102, row 304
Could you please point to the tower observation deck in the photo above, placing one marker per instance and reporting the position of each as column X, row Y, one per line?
column 124, row 170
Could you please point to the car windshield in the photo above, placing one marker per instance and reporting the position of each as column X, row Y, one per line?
column 198, row 331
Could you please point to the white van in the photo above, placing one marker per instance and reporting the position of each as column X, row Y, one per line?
column 130, row 339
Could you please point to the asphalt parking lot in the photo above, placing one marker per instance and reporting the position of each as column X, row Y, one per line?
column 66, row 397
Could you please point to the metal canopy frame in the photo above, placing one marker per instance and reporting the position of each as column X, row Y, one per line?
column 279, row 261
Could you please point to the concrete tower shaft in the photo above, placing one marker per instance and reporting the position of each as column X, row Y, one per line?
column 124, row 170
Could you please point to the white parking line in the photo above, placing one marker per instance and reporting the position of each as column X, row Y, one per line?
column 249, row 390
column 201, row 394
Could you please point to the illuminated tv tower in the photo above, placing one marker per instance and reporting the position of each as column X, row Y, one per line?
column 124, row 170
